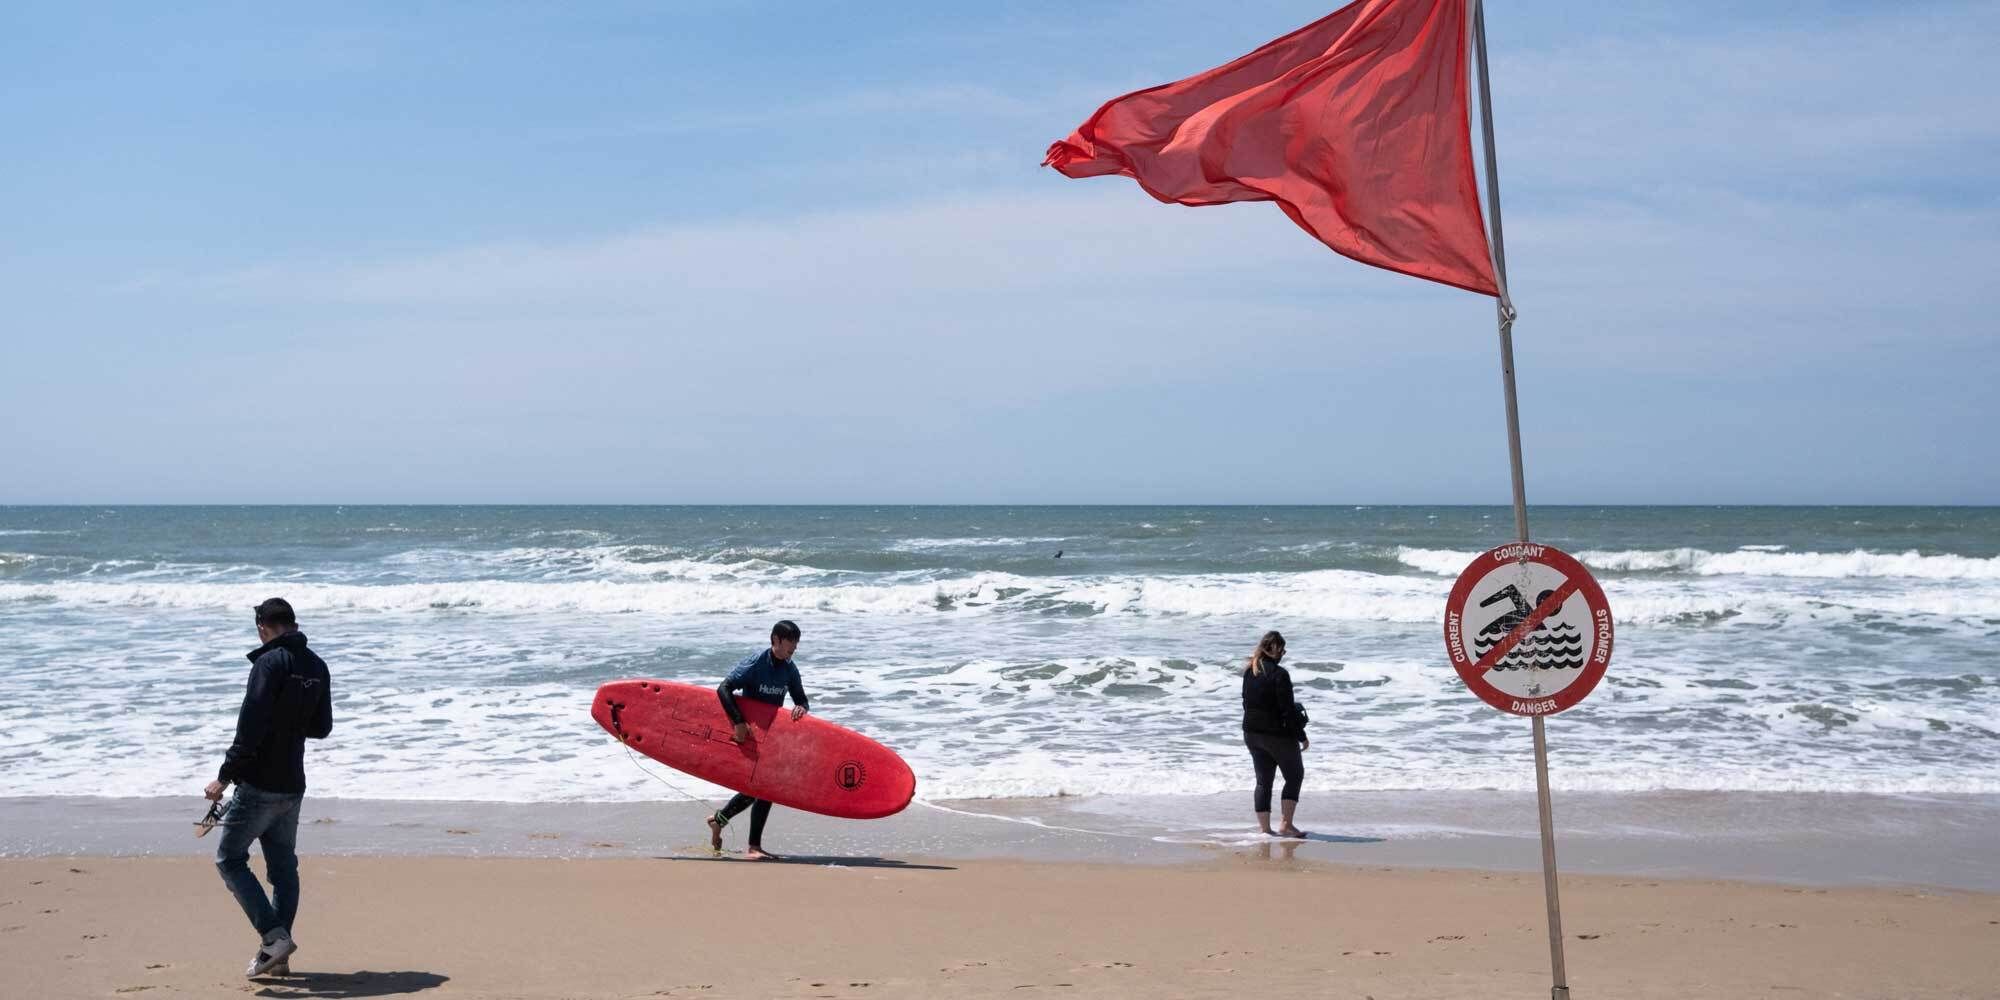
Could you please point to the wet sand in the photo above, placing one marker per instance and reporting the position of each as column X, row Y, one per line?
column 1806, row 839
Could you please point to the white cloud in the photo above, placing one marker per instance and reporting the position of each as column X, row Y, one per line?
column 1714, row 270
column 1108, row 237
column 1898, row 96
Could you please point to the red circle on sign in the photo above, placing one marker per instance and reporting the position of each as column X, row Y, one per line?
column 1499, row 636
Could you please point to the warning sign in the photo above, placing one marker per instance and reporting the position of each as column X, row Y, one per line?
column 1528, row 629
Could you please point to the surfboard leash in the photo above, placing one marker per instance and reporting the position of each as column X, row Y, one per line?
column 676, row 789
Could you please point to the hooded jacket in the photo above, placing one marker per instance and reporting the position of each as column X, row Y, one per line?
column 289, row 699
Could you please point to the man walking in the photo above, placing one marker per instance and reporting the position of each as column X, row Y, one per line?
column 288, row 701
column 766, row 677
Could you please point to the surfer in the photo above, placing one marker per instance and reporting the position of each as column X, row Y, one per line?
column 766, row 677
column 288, row 700
column 1274, row 730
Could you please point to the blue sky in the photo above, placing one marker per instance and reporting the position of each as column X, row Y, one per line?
column 743, row 252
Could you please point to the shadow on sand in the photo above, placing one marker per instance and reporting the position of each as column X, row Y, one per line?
column 334, row 985
column 822, row 860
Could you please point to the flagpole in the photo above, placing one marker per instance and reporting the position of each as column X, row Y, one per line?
column 1504, row 308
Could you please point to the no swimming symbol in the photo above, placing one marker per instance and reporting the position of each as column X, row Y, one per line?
column 1528, row 656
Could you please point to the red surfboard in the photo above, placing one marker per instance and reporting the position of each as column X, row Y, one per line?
column 808, row 764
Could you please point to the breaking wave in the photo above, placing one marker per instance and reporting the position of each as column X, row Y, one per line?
column 1750, row 560
column 1339, row 595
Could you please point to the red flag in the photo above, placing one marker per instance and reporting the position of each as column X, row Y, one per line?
column 1356, row 125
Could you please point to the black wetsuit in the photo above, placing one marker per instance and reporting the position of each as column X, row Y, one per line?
column 1270, row 733
column 766, row 679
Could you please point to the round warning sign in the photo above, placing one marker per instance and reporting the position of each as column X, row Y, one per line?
column 1528, row 629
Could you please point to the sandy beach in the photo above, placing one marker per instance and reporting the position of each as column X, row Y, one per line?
column 860, row 927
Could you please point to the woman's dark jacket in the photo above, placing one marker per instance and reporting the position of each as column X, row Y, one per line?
column 1267, row 702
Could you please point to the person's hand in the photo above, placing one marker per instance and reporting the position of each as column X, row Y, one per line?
column 1304, row 743
column 214, row 791
column 742, row 734
column 798, row 712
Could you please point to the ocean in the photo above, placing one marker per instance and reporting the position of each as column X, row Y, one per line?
column 1759, row 649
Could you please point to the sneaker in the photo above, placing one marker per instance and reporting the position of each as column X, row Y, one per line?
column 276, row 951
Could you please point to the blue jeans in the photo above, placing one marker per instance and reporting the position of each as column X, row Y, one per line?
column 272, row 820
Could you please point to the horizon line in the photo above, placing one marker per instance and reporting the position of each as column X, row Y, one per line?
column 988, row 504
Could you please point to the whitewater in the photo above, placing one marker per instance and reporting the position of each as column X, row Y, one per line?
column 1759, row 649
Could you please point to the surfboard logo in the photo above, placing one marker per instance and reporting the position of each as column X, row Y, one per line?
column 850, row 775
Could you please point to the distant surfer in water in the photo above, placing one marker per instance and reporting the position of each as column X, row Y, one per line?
column 1274, row 729
column 766, row 677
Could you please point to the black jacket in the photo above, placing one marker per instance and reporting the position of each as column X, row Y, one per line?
column 1267, row 702
column 289, row 700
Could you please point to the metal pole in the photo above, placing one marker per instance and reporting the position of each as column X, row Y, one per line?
column 1504, row 308
column 1560, row 991
column 1503, row 304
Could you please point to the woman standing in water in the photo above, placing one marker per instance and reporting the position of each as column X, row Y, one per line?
column 1272, row 730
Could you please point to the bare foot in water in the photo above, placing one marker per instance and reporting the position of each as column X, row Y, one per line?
column 1292, row 833
column 759, row 854
column 714, row 835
